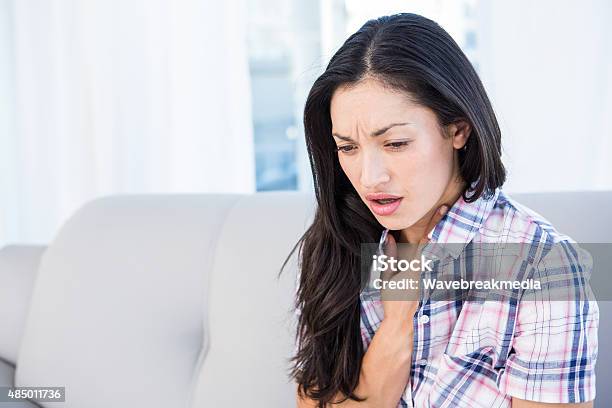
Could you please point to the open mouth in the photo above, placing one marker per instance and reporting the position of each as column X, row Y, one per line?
column 384, row 205
column 387, row 200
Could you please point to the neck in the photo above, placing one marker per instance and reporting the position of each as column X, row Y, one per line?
column 416, row 232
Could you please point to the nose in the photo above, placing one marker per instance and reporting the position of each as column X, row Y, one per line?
column 374, row 171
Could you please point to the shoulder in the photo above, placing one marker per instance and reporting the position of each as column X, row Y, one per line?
column 512, row 221
column 563, row 315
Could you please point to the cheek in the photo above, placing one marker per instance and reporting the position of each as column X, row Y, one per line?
column 350, row 169
column 436, row 158
column 417, row 163
column 424, row 171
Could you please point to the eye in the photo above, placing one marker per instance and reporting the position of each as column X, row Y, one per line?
column 346, row 149
column 398, row 145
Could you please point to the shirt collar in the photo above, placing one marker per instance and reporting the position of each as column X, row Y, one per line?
column 459, row 226
column 461, row 223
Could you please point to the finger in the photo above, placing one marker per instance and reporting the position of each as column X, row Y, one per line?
column 390, row 246
column 389, row 249
column 436, row 217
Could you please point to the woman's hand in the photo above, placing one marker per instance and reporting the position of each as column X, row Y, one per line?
column 400, row 305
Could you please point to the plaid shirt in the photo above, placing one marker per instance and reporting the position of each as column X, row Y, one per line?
column 481, row 354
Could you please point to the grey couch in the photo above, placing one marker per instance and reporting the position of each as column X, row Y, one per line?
column 173, row 300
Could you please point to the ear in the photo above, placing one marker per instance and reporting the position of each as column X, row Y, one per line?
column 459, row 131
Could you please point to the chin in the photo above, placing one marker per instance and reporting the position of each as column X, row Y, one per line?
column 396, row 222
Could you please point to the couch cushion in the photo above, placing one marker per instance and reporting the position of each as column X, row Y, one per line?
column 118, row 308
column 250, row 336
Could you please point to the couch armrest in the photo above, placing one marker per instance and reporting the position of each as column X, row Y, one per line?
column 18, row 268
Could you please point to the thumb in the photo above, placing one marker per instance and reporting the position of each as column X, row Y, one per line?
column 390, row 250
column 390, row 246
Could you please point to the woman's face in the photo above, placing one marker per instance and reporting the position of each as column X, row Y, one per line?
column 393, row 147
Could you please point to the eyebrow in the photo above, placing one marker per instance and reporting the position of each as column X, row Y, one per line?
column 375, row 133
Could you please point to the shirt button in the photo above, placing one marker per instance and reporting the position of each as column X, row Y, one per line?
column 424, row 319
column 422, row 362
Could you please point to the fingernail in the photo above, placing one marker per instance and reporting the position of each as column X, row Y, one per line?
column 443, row 210
column 383, row 240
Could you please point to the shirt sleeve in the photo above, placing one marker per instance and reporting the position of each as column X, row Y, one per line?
column 554, row 346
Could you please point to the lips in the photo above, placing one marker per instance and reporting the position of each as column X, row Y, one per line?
column 382, row 203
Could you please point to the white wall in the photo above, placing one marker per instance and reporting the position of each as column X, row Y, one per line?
column 547, row 66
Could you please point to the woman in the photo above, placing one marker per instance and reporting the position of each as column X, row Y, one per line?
column 403, row 139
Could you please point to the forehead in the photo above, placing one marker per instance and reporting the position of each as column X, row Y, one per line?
column 371, row 104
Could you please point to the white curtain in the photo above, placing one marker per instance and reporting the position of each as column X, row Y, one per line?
column 120, row 96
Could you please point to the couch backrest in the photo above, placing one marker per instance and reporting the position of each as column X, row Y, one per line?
column 581, row 214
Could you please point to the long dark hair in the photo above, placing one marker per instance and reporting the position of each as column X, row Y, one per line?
column 407, row 52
